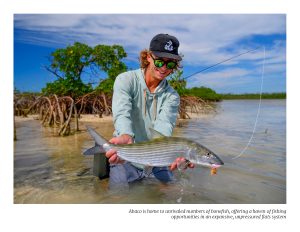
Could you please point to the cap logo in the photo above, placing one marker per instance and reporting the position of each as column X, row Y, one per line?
column 169, row 46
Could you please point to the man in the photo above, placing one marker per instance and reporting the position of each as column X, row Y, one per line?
column 142, row 100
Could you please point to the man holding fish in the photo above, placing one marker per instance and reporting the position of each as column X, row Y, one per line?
column 143, row 99
column 145, row 109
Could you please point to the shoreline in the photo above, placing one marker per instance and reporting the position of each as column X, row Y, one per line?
column 83, row 118
column 95, row 118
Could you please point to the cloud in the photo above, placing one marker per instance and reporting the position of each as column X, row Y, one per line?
column 218, row 78
column 205, row 39
column 202, row 36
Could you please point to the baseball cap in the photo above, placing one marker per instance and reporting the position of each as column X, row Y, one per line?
column 165, row 45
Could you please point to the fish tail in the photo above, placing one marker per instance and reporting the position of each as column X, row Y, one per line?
column 99, row 141
column 94, row 150
column 98, row 138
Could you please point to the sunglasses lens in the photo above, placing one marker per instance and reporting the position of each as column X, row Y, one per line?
column 159, row 63
column 171, row 65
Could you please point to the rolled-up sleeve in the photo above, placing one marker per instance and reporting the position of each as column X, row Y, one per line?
column 167, row 116
column 122, row 105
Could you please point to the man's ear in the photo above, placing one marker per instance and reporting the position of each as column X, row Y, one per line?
column 149, row 57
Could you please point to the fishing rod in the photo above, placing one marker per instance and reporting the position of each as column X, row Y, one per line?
column 221, row 62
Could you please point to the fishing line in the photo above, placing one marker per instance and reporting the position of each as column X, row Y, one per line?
column 260, row 95
column 258, row 110
column 221, row 62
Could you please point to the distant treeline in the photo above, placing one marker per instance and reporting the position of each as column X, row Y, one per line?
column 230, row 96
column 204, row 93
column 208, row 94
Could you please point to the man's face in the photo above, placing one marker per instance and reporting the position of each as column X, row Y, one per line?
column 158, row 73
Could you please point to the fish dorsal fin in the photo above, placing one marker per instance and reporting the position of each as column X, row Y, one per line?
column 155, row 134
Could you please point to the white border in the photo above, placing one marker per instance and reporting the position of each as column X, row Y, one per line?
column 114, row 217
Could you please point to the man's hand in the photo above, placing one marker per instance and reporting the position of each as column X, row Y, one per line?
column 112, row 153
column 181, row 163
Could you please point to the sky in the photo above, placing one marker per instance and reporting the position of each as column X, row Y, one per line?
column 205, row 39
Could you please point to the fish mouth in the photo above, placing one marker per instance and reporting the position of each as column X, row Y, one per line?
column 211, row 165
column 216, row 165
column 217, row 162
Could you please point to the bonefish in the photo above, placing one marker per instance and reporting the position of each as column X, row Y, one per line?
column 158, row 152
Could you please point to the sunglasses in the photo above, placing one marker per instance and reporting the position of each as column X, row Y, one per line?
column 160, row 63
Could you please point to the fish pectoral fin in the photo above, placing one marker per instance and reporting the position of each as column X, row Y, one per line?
column 94, row 150
column 155, row 134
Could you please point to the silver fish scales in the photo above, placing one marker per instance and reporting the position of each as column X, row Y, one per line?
column 158, row 152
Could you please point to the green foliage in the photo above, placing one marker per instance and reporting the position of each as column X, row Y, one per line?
column 106, row 85
column 178, row 83
column 68, row 64
column 67, row 87
column 229, row 96
column 108, row 58
column 204, row 93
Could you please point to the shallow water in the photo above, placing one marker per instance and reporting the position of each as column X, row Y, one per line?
column 49, row 169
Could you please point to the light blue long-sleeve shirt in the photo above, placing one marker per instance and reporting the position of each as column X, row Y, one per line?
column 136, row 110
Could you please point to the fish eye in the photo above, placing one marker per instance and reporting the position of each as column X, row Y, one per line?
column 208, row 154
